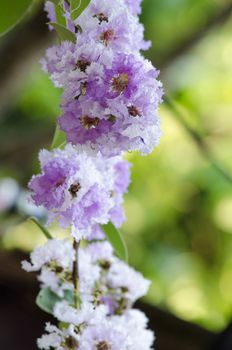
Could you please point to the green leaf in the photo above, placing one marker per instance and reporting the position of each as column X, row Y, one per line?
column 60, row 15
column 117, row 240
column 77, row 7
column 46, row 299
column 11, row 13
column 55, row 2
column 74, row 4
column 63, row 32
column 59, row 139
column 41, row 227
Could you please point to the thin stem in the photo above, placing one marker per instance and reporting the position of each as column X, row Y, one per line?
column 199, row 140
column 46, row 233
column 75, row 274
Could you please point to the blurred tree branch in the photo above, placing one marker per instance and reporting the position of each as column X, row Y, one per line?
column 179, row 50
column 198, row 139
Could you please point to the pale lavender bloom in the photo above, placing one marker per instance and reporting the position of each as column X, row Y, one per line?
column 87, row 313
column 127, row 332
column 54, row 260
column 79, row 190
column 132, row 283
column 114, row 108
column 103, row 278
column 134, row 5
column 72, row 189
column 70, row 63
column 89, row 275
column 138, row 336
column 107, row 287
column 111, row 94
column 104, row 335
column 58, row 339
column 58, row 61
column 49, row 8
column 119, row 285
column 96, row 234
column 57, row 251
column 100, row 251
column 112, row 24
column 122, row 181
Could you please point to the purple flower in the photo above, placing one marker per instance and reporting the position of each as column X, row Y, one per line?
column 134, row 5
column 70, row 63
column 113, row 107
column 79, row 190
column 112, row 24
column 111, row 94
column 122, row 181
column 51, row 13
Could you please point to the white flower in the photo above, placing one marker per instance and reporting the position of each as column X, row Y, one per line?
column 58, row 251
column 87, row 314
column 122, row 276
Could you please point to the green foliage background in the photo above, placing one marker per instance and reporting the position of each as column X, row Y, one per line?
column 179, row 207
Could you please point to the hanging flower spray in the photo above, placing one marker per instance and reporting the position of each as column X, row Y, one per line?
column 109, row 106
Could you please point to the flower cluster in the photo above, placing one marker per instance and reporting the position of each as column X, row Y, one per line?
column 104, row 279
column 92, row 329
column 111, row 93
column 81, row 191
column 108, row 288
column 109, row 105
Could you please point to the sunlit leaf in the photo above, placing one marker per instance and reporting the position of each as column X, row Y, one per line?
column 117, row 240
column 56, row 2
column 77, row 7
column 41, row 227
column 11, row 13
column 59, row 139
column 74, row 4
column 63, row 32
column 60, row 15
column 46, row 299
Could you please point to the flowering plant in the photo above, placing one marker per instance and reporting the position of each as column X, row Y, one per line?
column 109, row 105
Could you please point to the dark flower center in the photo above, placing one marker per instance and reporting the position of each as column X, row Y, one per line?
column 89, row 123
column 71, row 343
column 83, row 90
column 133, row 111
column 120, row 83
column 74, row 189
column 60, row 182
column 103, row 345
column 53, row 266
column 105, row 264
column 78, row 29
column 111, row 118
column 122, row 305
column 59, row 269
column 101, row 17
column 107, row 36
column 82, row 65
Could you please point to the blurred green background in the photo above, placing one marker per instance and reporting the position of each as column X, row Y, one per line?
column 179, row 208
